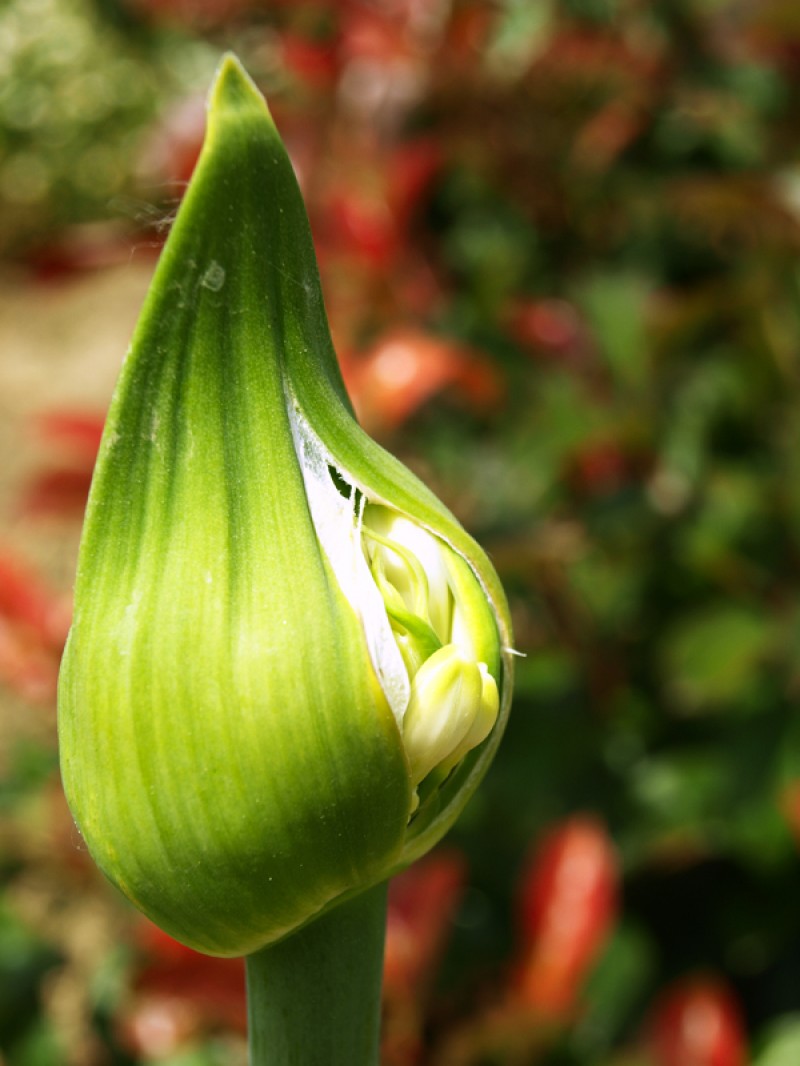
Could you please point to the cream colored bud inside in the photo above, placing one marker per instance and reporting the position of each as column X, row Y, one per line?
column 430, row 597
column 453, row 707
column 426, row 551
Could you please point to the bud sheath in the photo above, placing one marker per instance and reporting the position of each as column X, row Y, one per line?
column 248, row 703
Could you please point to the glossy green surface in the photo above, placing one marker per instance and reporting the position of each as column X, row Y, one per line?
column 227, row 750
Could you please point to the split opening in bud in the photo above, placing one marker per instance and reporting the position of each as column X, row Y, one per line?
column 430, row 630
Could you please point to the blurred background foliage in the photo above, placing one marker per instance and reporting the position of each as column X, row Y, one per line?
column 559, row 243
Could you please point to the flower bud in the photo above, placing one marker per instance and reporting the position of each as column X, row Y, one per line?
column 288, row 667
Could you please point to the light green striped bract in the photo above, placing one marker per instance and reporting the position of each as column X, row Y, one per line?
column 226, row 748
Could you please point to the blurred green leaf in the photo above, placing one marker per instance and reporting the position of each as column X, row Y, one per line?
column 210, row 1055
column 24, row 959
column 33, row 764
column 521, row 30
column 610, row 587
column 614, row 990
column 616, row 308
column 714, row 657
column 780, row 1046
column 546, row 674
column 685, row 790
column 39, row 1047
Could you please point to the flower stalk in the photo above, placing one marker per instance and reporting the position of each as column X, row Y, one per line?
column 315, row 998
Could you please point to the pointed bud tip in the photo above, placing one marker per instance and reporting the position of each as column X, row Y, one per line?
column 234, row 91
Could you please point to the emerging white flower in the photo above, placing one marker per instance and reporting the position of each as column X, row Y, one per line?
column 434, row 604
column 431, row 633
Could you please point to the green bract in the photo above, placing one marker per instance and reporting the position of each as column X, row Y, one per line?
column 283, row 678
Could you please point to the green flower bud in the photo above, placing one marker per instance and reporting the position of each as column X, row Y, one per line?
column 289, row 665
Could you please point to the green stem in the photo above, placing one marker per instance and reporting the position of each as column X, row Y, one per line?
column 314, row 999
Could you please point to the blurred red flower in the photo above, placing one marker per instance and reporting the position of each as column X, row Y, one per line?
column 405, row 368
column 599, row 467
column 178, row 994
column 550, row 329
column 422, row 901
column 568, row 907
column 63, row 488
column 789, row 802
column 34, row 621
column 697, row 1022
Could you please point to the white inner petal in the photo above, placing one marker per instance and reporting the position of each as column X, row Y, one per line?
column 339, row 530
column 428, row 550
